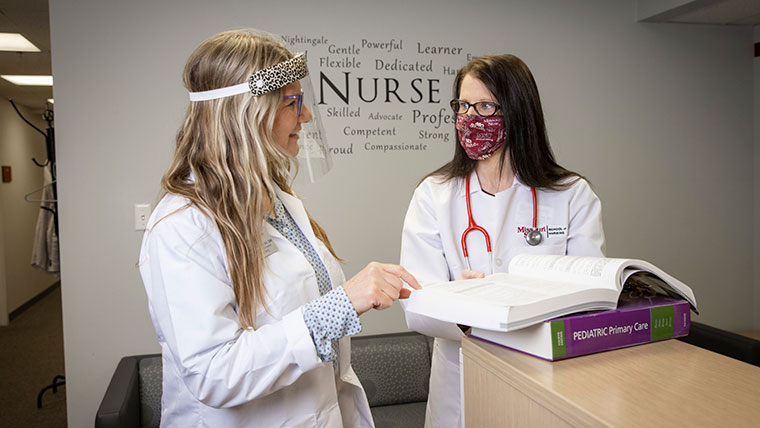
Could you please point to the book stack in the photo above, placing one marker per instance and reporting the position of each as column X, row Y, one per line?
column 557, row 307
column 635, row 321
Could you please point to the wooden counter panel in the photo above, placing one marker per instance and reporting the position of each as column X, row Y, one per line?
column 668, row 383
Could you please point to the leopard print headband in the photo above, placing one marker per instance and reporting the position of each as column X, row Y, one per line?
column 262, row 81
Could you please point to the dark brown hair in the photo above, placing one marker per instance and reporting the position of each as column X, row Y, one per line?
column 531, row 157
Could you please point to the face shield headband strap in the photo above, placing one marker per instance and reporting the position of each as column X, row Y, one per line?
column 262, row 81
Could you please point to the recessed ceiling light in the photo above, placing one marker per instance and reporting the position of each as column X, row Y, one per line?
column 29, row 80
column 15, row 42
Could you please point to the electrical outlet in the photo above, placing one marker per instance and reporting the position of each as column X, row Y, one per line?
column 142, row 213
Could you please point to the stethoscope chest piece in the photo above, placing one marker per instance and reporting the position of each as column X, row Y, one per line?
column 534, row 237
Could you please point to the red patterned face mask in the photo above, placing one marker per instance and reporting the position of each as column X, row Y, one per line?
column 480, row 136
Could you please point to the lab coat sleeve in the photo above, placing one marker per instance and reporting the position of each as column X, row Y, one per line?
column 193, row 305
column 423, row 256
column 585, row 231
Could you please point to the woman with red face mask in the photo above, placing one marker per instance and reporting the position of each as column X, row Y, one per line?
column 505, row 186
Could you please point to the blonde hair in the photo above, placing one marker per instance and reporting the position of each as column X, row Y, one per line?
column 228, row 147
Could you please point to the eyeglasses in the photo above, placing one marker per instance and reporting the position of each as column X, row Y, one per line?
column 298, row 97
column 482, row 108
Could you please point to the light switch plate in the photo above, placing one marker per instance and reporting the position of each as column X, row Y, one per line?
column 142, row 213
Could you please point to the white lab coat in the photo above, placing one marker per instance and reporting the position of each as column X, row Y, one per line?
column 216, row 374
column 431, row 250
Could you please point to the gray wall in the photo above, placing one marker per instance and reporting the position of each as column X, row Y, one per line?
column 19, row 143
column 756, row 216
column 658, row 117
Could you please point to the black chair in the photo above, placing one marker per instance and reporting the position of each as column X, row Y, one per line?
column 393, row 368
column 121, row 405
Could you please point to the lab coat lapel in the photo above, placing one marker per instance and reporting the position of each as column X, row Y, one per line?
column 297, row 211
column 474, row 185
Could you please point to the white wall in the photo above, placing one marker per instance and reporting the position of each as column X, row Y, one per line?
column 657, row 116
column 19, row 143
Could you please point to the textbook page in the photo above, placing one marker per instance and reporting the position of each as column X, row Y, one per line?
column 662, row 282
column 506, row 290
column 591, row 272
column 489, row 302
column 433, row 327
column 595, row 272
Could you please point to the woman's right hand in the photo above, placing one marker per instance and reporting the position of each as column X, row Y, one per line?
column 471, row 274
column 378, row 285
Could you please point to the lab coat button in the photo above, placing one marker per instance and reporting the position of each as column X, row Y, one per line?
column 498, row 262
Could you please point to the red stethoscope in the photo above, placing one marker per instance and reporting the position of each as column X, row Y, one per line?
column 533, row 237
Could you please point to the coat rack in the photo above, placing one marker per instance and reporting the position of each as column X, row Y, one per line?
column 50, row 162
column 58, row 380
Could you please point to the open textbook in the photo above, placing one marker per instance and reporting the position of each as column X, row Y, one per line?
column 541, row 287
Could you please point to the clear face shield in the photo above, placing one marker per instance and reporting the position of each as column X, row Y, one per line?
column 313, row 157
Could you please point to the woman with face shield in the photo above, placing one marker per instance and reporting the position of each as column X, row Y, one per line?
column 245, row 292
column 501, row 195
